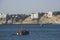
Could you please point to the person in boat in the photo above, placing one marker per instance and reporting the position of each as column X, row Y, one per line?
column 23, row 32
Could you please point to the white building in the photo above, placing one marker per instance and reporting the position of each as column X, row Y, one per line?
column 49, row 14
column 32, row 15
column 2, row 18
column 35, row 15
column 2, row 15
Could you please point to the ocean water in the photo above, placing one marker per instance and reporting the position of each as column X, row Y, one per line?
column 36, row 32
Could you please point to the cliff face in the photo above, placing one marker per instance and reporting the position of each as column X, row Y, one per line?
column 47, row 20
column 42, row 20
column 29, row 21
column 53, row 19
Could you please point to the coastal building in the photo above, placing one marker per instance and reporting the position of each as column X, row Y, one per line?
column 35, row 15
column 2, row 18
column 49, row 14
column 32, row 16
column 2, row 15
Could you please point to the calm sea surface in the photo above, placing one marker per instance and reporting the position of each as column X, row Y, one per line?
column 36, row 32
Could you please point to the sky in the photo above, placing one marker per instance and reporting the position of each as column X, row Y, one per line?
column 28, row 6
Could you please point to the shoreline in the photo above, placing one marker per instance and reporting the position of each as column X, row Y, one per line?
column 29, row 24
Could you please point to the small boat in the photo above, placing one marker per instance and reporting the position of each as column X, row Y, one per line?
column 23, row 32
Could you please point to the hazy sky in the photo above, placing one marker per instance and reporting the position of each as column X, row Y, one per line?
column 28, row 6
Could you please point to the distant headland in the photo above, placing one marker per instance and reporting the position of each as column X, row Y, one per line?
column 33, row 18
